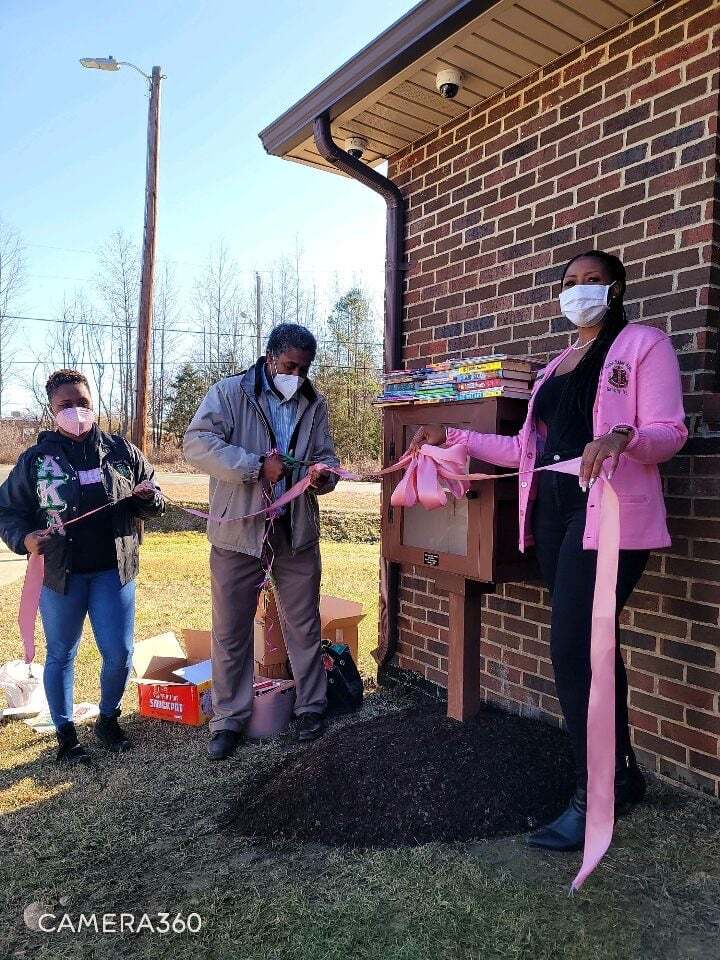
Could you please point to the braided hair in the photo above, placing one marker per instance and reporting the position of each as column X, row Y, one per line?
column 583, row 381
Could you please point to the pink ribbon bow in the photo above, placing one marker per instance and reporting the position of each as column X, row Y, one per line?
column 430, row 475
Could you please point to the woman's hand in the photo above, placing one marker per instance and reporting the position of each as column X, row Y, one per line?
column 36, row 542
column 145, row 490
column 432, row 434
column 597, row 452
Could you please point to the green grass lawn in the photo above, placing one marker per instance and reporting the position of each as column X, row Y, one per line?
column 143, row 833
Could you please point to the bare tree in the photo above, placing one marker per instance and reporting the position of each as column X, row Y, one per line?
column 288, row 299
column 99, row 353
column 119, row 284
column 66, row 340
column 163, row 349
column 214, row 296
column 222, row 316
column 12, row 271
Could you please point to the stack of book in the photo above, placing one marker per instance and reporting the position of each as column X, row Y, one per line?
column 475, row 378
column 399, row 386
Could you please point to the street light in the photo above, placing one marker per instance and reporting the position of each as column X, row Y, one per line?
column 100, row 63
column 139, row 429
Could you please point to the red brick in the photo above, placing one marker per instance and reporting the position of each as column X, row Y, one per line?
column 657, row 706
column 691, row 738
column 515, row 234
column 683, row 94
column 702, row 762
column 709, row 680
column 685, row 694
column 705, row 613
column 702, row 633
column 703, row 721
column 628, row 41
column 681, row 13
column 657, row 745
column 687, row 653
column 682, row 54
column 625, row 81
column 612, row 68
column 657, row 45
column 657, row 666
column 705, row 21
column 644, row 721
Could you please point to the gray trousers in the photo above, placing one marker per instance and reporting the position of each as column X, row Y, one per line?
column 236, row 579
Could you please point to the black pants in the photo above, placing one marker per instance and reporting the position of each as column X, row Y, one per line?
column 569, row 574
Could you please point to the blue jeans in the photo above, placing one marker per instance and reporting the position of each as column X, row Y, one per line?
column 111, row 608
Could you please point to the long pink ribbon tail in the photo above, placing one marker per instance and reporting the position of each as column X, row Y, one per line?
column 600, row 818
column 29, row 603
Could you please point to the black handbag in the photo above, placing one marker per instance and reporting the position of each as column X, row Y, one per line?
column 344, row 683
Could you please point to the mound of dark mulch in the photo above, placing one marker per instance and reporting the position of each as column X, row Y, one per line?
column 411, row 778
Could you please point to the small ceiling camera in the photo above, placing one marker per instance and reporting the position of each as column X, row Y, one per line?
column 449, row 82
column 356, row 146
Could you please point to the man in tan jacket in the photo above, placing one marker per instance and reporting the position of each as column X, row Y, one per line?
column 236, row 436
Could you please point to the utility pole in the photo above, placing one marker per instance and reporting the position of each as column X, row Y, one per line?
column 145, row 312
column 258, row 315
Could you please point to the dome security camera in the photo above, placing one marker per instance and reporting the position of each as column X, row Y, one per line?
column 449, row 82
column 356, row 146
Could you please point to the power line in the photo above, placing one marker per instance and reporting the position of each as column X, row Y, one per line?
column 223, row 364
column 195, row 263
column 209, row 333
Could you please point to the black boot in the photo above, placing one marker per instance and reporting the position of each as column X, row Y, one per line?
column 110, row 733
column 568, row 831
column 70, row 750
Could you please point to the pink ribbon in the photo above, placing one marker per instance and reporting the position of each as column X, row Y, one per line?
column 429, row 476
column 432, row 465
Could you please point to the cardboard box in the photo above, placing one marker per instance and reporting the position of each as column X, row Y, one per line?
column 339, row 620
column 174, row 684
column 270, row 648
column 272, row 671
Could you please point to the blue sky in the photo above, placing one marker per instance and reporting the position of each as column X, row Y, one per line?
column 72, row 160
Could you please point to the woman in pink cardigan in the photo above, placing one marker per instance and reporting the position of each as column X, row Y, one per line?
column 615, row 397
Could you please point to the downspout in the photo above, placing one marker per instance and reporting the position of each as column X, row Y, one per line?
column 392, row 341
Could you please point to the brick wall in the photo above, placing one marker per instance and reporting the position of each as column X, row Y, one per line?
column 614, row 146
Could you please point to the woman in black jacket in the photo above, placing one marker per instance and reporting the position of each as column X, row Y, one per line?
column 90, row 568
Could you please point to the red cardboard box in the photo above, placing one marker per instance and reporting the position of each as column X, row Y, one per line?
column 174, row 684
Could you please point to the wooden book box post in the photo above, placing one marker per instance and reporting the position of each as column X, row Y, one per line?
column 468, row 546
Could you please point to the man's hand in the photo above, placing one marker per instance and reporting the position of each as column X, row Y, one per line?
column 145, row 490
column 36, row 542
column 318, row 475
column 273, row 469
column 432, row 434
column 597, row 452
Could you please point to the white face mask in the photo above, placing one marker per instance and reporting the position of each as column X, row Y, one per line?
column 585, row 303
column 287, row 384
